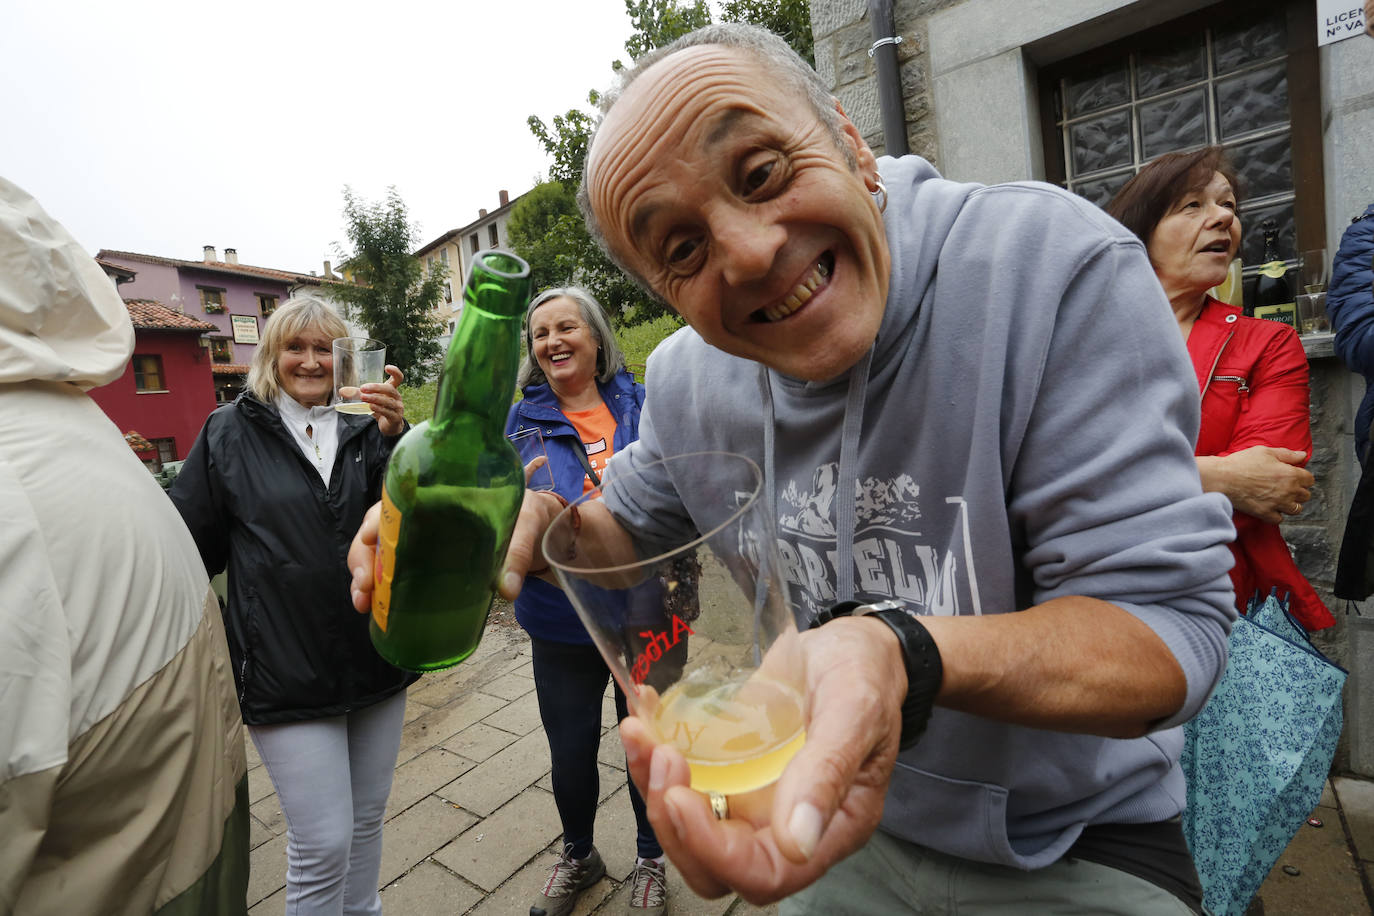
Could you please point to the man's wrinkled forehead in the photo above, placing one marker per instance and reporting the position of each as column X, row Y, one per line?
column 660, row 89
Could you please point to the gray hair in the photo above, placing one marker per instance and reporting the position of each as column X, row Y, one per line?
column 609, row 359
column 793, row 74
column 291, row 319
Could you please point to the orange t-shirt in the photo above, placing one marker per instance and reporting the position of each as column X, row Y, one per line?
column 596, row 429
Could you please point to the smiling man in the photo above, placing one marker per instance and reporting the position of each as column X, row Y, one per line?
column 940, row 382
column 945, row 388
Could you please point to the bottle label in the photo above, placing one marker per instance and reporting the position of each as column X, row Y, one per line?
column 1286, row 313
column 1275, row 269
column 385, row 567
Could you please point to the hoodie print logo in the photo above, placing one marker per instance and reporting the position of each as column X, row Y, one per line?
column 900, row 552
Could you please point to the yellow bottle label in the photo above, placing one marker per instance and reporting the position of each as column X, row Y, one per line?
column 385, row 566
column 1275, row 269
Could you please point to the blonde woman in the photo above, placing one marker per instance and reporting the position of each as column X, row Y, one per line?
column 273, row 489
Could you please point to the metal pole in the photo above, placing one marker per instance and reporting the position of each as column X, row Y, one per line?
column 884, row 54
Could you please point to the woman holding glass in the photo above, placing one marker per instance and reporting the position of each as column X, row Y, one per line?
column 1255, row 435
column 585, row 404
column 272, row 489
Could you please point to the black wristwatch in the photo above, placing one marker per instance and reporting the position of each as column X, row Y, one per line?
column 924, row 671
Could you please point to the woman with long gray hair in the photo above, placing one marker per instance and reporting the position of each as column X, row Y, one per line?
column 585, row 404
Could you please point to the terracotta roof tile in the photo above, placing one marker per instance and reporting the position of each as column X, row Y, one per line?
column 155, row 316
column 228, row 369
column 241, row 270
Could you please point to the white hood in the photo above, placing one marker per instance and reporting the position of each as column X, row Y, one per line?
column 61, row 318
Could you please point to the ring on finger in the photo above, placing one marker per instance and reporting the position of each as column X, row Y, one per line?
column 719, row 806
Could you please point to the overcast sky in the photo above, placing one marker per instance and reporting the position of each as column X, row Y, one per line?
column 159, row 127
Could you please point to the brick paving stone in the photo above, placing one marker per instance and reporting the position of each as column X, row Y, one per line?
column 490, row 852
column 259, row 784
column 519, row 717
column 509, row 686
column 271, row 906
column 257, row 833
column 422, row 775
column 1328, row 879
column 436, row 727
column 1357, row 801
column 429, row 890
column 612, row 752
column 414, row 709
column 250, row 750
column 611, row 779
column 516, row 895
column 417, row 832
column 615, row 833
column 268, row 813
column 501, row 777
column 267, row 869
column 479, row 741
column 609, row 719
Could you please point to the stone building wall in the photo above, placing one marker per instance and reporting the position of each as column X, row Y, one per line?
column 843, row 36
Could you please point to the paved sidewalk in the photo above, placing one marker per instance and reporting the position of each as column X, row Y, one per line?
column 471, row 825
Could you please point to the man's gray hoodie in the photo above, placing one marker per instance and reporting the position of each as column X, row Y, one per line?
column 1024, row 432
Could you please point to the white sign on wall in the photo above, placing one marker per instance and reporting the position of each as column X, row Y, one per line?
column 1338, row 19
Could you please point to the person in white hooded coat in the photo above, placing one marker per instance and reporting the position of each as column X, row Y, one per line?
column 123, row 786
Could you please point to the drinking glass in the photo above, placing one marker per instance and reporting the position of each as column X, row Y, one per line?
column 1314, row 270
column 1312, row 314
column 357, row 361
column 695, row 627
column 529, row 443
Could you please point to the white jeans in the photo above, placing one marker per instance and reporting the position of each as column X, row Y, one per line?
column 332, row 778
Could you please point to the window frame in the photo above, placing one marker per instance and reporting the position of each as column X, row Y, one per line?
column 1304, row 101
column 210, row 307
column 263, row 310
column 141, row 374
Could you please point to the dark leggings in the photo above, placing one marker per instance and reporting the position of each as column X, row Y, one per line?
column 569, row 681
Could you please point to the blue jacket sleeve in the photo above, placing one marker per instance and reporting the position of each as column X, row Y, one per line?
column 1350, row 296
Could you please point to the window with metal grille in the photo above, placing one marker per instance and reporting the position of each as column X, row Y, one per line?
column 1235, row 75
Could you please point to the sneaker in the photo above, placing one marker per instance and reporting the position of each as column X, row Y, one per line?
column 648, row 890
column 567, row 879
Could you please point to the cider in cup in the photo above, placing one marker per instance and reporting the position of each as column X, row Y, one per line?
column 737, row 732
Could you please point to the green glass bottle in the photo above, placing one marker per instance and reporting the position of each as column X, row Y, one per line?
column 454, row 484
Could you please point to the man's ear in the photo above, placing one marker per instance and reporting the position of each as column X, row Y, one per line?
column 863, row 155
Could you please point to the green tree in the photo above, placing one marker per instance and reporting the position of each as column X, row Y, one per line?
column 656, row 23
column 788, row 19
column 392, row 297
column 542, row 229
column 659, row 22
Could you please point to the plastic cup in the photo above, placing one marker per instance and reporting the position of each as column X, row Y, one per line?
column 529, row 443
column 357, row 361
column 696, row 631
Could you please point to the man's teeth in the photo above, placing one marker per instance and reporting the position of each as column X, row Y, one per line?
column 820, row 272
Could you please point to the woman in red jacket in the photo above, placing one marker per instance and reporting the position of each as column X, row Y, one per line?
column 1255, row 435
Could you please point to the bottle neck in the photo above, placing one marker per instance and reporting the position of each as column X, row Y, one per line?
column 483, row 357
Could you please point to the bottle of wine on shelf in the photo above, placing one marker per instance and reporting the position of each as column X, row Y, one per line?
column 454, row 485
column 1274, row 297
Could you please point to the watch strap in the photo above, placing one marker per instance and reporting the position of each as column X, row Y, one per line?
column 920, row 656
